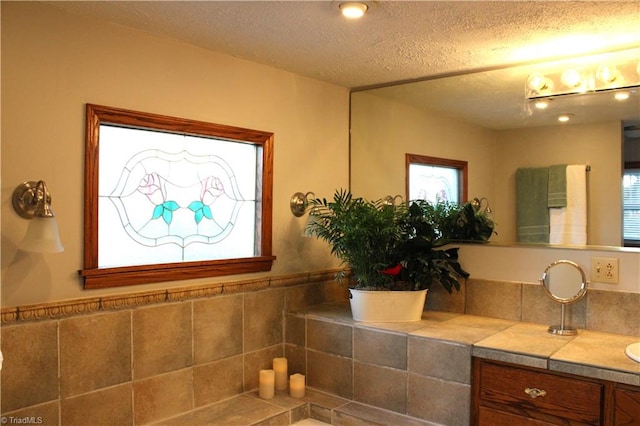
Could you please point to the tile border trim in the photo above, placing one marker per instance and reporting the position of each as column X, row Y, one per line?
column 67, row 308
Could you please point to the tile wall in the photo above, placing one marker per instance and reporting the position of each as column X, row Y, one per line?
column 136, row 365
column 604, row 311
column 142, row 358
column 401, row 370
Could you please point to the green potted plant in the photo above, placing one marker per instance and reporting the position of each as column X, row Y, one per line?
column 393, row 251
column 421, row 254
column 362, row 234
column 466, row 222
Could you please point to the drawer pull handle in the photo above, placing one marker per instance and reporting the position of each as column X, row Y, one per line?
column 535, row 392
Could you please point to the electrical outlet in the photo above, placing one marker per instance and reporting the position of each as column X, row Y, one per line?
column 604, row 269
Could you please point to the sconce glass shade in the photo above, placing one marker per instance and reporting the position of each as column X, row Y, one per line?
column 311, row 220
column 31, row 200
column 42, row 236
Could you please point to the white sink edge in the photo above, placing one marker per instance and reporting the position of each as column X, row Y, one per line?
column 633, row 351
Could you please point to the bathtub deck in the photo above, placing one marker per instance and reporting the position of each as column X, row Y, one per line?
column 249, row 410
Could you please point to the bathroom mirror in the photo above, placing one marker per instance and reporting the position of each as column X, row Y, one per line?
column 565, row 282
column 484, row 118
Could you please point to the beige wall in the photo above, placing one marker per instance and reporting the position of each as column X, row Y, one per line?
column 596, row 144
column 54, row 63
column 383, row 130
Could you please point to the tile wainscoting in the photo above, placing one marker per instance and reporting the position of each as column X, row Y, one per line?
column 142, row 357
column 138, row 358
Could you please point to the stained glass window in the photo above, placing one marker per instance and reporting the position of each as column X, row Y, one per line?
column 173, row 198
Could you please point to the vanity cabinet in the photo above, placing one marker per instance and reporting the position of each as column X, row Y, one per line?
column 627, row 406
column 511, row 395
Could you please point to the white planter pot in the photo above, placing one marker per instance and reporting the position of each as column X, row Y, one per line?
column 387, row 306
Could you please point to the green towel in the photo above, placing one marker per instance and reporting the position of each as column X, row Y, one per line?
column 532, row 213
column 557, row 196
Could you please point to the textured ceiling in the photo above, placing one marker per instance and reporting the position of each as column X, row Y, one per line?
column 394, row 41
column 402, row 41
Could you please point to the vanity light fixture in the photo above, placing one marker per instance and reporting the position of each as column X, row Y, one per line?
column 31, row 200
column 590, row 74
column 353, row 9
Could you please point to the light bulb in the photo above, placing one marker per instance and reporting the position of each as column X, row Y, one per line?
column 538, row 82
column 607, row 74
column 571, row 78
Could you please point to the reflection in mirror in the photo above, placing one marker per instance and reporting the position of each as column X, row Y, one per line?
column 485, row 118
column 436, row 179
column 565, row 282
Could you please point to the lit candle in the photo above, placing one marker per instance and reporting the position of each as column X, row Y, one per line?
column 296, row 385
column 267, row 379
column 280, row 369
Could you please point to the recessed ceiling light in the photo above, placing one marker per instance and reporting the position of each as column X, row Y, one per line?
column 621, row 96
column 353, row 9
column 541, row 103
column 564, row 117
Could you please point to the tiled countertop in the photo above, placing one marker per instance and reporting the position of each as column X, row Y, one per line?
column 589, row 354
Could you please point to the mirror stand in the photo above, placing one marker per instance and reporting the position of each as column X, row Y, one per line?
column 565, row 283
column 562, row 329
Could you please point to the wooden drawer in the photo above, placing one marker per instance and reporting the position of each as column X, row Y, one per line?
column 562, row 399
column 490, row 417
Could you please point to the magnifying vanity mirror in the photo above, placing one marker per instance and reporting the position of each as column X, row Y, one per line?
column 565, row 282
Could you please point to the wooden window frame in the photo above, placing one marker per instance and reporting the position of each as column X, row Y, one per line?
column 95, row 277
column 460, row 165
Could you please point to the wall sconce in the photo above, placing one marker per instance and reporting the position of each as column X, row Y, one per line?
column 31, row 200
column 299, row 202
column 476, row 203
column 390, row 200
